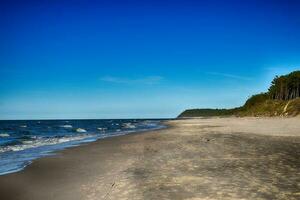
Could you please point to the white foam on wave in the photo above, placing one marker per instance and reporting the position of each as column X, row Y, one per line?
column 23, row 126
column 67, row 126
column 129, row 125
column 102, row 129
column 80, row 130
column 149, row 123
column 43, row 142
column 4, row 135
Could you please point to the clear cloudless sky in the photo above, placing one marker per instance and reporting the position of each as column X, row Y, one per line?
column 140, row 59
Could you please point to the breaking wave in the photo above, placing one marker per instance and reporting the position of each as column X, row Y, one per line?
column 38, row 142
column 66, row 126
column 4, row 135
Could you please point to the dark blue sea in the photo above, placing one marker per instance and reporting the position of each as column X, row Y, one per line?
column 23, row 141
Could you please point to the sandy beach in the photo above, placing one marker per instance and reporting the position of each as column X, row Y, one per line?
column 192, row 159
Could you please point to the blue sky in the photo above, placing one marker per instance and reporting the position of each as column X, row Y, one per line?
column 140, row 59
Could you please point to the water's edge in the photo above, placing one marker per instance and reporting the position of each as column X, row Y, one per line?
column 54, row 149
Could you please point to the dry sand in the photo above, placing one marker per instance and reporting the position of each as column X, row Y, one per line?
column 193, row 159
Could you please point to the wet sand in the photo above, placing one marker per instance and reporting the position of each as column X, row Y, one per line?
column 195, row 159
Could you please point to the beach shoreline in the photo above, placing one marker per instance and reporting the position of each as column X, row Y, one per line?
column 209, row 158
column 21, row 142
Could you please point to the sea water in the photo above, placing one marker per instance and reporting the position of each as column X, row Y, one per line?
column 22, row 141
